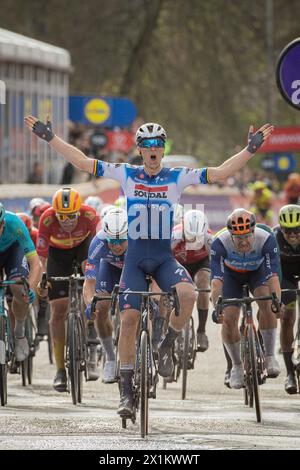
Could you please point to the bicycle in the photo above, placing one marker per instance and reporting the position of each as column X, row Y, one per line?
column 6, row 337
column 145, row 378
column 114, row 314
column 43, row 318
column 296, row 352
column 184, row 354
column 75, row 350
column 252, row 352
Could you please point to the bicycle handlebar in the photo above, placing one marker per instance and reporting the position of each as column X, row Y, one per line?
column 116, row 292
column 221, row 303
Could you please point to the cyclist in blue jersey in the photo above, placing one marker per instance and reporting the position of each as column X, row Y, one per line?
column 151, row 192
column 103, row 270
column 17, row 251
column 245, row 254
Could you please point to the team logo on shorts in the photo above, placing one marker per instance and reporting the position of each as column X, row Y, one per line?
column 127, row 306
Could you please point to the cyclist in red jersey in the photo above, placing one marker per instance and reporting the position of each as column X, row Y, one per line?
column 191, row 246
column 65, row 232
column 33, row 231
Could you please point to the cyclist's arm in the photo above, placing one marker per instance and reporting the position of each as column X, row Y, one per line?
column 35, row 270
column 236, row 162
column 216, row 290
column 218, row 254
column 89, row 286
column 272, row 263
column 72, row 154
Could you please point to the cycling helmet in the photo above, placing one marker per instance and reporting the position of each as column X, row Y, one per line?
column 259, row 186
column 195, row 225
column 106, row 209
column 115, row 223
column 289, row 216
column 39, row 210
column 66, row 201
column 26, row 219
column 150, row 130
column 95, row 202
column 2, row 212
column 35, row 202
column 241, row 222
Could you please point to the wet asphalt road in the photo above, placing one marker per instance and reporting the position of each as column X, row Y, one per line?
column 212, row 416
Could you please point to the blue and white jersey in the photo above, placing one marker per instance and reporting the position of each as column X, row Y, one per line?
column 150, row 200
column 16, row 231
column 264, row 250
column 98, row 251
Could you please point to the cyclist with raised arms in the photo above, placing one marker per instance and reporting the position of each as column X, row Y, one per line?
column 103, row 270
column 242, row 254
column 151, row 192
column 65, row 232
column 191, row 242
column 18, row 258
column 288, row 238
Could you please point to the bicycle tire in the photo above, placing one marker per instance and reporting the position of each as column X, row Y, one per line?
column 3, row 365
column 253, row 358
column 74, row 366
column 49, row 338
column 24, row 368
column 29, row 335
column 185, row 358
column 144, row 384
column 82, row 356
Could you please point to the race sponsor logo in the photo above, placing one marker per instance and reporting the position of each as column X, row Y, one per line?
column 41, row 243
column 180, row 271
column 153, row 192
column 47, row 221
column 89, row 215
column 89, row 266
column 96, row 250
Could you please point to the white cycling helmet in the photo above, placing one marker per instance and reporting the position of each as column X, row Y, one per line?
column 195, row 226
column 150, row 130
column 115, row 224
column 35, row 202
column 95, row 202
column 106, row 209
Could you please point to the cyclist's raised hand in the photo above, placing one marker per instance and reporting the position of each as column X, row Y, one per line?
column 256, row 139
column 44, row 131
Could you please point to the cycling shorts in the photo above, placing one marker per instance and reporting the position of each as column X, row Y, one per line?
column 234, row 281
column 107, row 276
column 60, row 263
column 204, row 264
column 14, row 262
column 166, row 271
column 288, row 283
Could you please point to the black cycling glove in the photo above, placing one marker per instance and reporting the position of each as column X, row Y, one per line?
column 255, row 141
column 44, row 131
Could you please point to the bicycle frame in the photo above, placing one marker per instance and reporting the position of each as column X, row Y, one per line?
column 251, row 350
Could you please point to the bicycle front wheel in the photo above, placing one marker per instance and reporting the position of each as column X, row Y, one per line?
column 144, row 384
column 254, row 378
column 73, row 357
column 185, row 358
column 3, row 366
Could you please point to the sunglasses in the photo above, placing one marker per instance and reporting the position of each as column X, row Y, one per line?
column 64, row 217
column 116, row 241
column 148, row 143
column 294, row 230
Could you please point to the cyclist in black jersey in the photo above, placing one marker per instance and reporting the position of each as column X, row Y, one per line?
column 288, row 238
